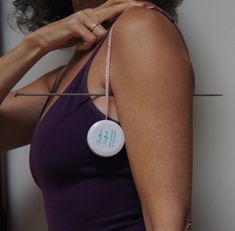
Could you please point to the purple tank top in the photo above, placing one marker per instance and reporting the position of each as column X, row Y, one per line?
column 81, row 191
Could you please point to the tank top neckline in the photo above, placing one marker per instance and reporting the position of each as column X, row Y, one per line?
column 84, row 80
column 84, row 88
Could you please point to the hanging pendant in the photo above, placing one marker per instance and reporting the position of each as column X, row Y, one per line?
column 105, row 138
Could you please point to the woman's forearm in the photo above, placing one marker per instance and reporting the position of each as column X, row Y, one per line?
column 15, row 64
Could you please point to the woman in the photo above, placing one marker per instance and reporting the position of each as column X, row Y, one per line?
column 147, row 186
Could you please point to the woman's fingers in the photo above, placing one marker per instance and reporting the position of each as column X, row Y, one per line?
column 78, row 28
column 95, row 16
column 87, row 39
column 115, row 10
column 89, row 34
column 90, row 20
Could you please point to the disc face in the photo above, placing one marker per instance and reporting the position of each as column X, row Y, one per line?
column 105, row 138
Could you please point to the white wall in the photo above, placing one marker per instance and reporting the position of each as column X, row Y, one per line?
column 208, row 28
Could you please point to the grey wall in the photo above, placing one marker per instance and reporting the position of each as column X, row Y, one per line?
column 208, row 28
column 25, row 201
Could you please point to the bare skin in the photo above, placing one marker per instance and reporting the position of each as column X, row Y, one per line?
column 96, row 81
column 162, row 163
column 21, row 114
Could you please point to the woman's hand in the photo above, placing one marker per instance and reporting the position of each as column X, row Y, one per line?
column 76, row 28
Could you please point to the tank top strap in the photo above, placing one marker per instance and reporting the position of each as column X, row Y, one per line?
column 58, row 80
column 53, row 90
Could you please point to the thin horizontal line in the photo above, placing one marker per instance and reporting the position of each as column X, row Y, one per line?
column 91, row 94
column 57, row 94
column 208, row 94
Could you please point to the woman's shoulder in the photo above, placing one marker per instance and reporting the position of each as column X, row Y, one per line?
column 144, row 13
column 148, row 30
column 139, row 18
column 146, row 41
column 147, row 25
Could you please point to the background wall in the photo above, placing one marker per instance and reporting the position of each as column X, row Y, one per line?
column 208, row 28
column 25, row 200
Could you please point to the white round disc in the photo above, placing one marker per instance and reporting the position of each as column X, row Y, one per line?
column 105, row 138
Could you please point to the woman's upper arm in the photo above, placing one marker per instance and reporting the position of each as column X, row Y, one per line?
column 18, row 115
column 153, row 83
